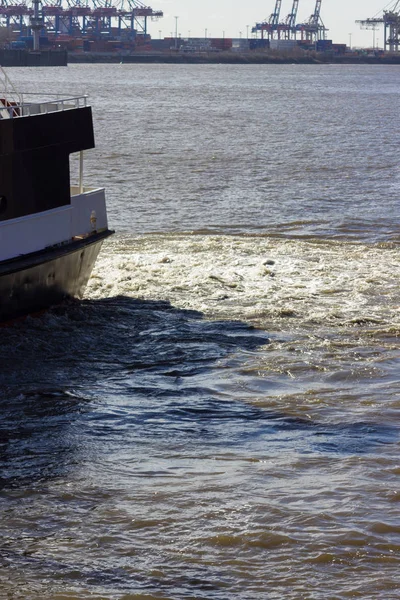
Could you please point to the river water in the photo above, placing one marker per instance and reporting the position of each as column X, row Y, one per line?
column 218, row 418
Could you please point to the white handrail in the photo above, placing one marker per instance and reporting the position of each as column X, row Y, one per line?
column 27, row 109
column 13, row 105
column 58, row 104
column 9, row 96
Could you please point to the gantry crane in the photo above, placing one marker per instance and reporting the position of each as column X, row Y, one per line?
column 391, row 24
column 313, row 29
column 274, row 18
column 288, row 28
column 291, row 18
column 271, row 26
column 76, row 18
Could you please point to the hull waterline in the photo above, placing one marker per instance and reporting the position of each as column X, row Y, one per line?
column 33, row 283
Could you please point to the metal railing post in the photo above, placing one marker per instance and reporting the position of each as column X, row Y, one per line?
column 81, row 172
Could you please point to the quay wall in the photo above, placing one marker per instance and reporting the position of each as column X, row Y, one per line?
column 254, row 57
column 22, row 57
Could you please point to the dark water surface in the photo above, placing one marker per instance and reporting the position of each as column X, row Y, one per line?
column 219, row 417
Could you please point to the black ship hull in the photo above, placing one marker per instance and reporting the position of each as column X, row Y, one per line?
column 34, row 282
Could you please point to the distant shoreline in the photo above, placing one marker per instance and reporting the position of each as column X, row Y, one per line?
column 229, row 58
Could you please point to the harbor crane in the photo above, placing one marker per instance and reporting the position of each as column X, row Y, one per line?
column 274, row 18
column 313, row 29
column 292, row 16
column 99, row 19
column 289, row 26
column 390, row 20
column 272, row 25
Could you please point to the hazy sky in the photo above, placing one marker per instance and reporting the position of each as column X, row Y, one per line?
column 233, row 16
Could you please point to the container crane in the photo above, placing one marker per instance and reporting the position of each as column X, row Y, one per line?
column 53, row 12
column 313, row 29
column 137, row 14
column 274, row 18
column 289, row 26
column 291, row 18
column 272, row 25
column 391, row 24
column 76, row 20
column 15, row 15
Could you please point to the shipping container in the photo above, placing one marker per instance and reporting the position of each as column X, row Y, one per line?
column 258, row 44
column 160, row 45
column 306, row 45
column 339, row 48
column 221, row 43
column 323, row 45
column 283, row 44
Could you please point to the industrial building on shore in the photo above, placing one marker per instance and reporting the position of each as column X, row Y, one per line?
column 121, row 27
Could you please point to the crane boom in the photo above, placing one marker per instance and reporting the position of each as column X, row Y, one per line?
column 390, row 20
column 291, row 18
column 315, row 17
column 274, row 18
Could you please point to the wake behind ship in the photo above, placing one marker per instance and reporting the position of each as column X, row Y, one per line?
column 50, row 231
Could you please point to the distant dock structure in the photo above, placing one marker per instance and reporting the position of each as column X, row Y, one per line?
column 310, row 31
column 390, row 19
column 75, row 25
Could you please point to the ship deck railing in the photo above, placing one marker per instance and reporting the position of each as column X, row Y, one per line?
column 16, row 108
column 15, row 104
